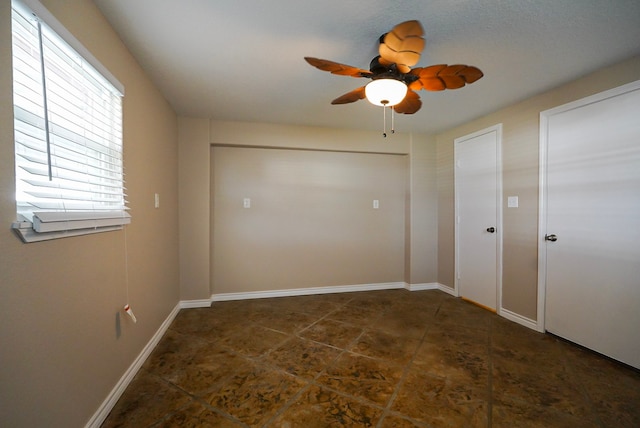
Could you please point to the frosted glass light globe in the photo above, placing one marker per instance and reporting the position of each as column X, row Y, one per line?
column 385, row 92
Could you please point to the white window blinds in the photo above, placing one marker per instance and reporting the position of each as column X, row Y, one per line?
column 68, row 137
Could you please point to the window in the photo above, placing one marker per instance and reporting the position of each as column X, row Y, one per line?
column 68, row 134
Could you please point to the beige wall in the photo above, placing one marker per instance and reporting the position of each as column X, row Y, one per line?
column 520, row 178
column 422, row 230
column 419, row 263
column 194, row 176
column 64, row 343
column 311, row 222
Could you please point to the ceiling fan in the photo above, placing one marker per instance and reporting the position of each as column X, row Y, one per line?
column 394, row 82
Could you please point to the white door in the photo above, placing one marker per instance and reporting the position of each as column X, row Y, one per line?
column 590, row 222
column 478, row 219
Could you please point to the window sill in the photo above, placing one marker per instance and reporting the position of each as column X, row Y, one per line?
column 26, row 233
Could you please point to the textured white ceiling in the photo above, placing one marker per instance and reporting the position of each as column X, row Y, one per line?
column 243, row 60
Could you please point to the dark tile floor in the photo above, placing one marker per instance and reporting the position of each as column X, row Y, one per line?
column 385, row 359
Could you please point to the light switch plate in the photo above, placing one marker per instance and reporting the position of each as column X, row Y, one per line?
column 376, row 204
column 246, row 203
column 512, row 202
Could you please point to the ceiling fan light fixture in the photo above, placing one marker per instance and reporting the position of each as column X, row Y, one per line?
column 385, row 92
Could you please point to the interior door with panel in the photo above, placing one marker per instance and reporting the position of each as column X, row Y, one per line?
column 590, row 222
column 478, row 220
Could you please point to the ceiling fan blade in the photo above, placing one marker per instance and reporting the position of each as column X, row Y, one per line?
column 410, row 104
column 337, row 68
column 408, row 29
column 403, row 45
column 471, row 74
column 442, row 76
column 428, row 78
column 412, row 44
column 450, row 76
column 350, row 97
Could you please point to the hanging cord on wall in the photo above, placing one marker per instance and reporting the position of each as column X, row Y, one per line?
column 127, row 307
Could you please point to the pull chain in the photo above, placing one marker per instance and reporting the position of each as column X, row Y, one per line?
column 384, row 121
column 393, row 127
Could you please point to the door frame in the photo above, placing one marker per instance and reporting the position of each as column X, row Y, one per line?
column 498, row 130
column 542, row 186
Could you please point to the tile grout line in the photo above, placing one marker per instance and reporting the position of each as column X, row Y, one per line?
column 194, row 398
column 583, row 389
column 396, row 391
column 347, row 349
column 490, row 376
column 313, row 381
column 256, row 360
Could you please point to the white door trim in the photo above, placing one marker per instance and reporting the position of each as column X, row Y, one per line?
column 498, row 130
column 543, row 191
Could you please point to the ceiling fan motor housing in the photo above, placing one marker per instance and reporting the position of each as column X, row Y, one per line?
column 380, row 71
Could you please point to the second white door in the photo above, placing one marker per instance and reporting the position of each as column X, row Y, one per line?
column 590, row 234
column 478, row 220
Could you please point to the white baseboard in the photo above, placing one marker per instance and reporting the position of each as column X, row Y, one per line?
column 421, row 287
column 202, row 303
column 512, row 316
column 221, row 297
column 305, row 291
column 107, row 405
column 448, row 290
